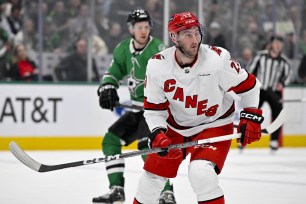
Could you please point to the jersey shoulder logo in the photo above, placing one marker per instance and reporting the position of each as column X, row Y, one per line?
column 158, row 56
column 235, row 65
column 216, row 49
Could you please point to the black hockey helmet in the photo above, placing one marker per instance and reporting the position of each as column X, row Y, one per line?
column 139, row 15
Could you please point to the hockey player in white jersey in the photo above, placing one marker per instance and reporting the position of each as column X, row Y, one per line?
column 187, row 98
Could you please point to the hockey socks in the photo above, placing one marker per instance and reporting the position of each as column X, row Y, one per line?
column 111, row 145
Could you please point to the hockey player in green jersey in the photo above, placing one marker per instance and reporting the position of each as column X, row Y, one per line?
column 130, row 59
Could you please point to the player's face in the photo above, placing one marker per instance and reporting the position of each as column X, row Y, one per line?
column 141, row 32
column 21, row 52
column 81, row 47
column 189, row 40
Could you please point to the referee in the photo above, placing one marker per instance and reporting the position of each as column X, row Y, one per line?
column 272, row 69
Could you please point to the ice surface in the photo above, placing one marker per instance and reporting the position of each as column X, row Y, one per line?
column 253, row 177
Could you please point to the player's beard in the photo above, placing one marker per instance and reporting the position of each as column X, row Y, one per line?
column 191, row 51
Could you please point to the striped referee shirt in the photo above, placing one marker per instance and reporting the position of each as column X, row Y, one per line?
column 270, row 71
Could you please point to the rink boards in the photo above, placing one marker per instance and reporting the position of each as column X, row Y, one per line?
column 68, row 116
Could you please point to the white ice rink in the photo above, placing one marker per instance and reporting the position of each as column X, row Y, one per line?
column 254, row 177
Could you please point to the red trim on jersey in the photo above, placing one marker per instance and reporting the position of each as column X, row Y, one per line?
column 152, row 106
column 228, row 112
column 219, row 200
column 189, row 65
column 245, row 86
column 136, row 201
column 173, row 123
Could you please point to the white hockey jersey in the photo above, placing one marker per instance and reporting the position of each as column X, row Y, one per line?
column 194, row 98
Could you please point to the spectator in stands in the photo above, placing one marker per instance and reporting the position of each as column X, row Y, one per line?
column 212, row 11
column 27, row 36
column 115, row 35
column 265, row 17
column 4, row 21
column 23, row 68
column 214, row 36
column 289, row 46
column 104, row 6
column 10, row 4
column 154, row 7
column 218, row 11
column 248, row 13
column 4, row 55
column 15, row 20
column 102, row 22
column 74, row 66
column 80, row 23
column 302, row 66
column 246, row 56
column 303, row 16
column 99, row 47
column 33, row 14
column 51, row 38
column 120, row 9
column 74, row 7
column 251, row 39
column 59, row 18
column 302, row 43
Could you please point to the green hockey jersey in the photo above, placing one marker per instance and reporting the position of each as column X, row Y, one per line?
column 130, row 63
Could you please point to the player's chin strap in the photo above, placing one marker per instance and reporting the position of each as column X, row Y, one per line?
column 36, row 166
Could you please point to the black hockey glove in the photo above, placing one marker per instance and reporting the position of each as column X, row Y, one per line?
column 108, row 97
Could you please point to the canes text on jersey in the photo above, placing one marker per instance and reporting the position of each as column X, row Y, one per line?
column 190, row 101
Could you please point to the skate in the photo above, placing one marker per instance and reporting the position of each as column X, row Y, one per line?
column 167, row 197
column 240, row 148
column 114, row 196
column 273, row 146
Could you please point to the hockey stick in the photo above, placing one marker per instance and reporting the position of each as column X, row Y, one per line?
column 275, row 97
column 36, row 166
column 133, row 107
column 298, row 100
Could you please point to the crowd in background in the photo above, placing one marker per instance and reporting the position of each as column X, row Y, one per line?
column 241, row 26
